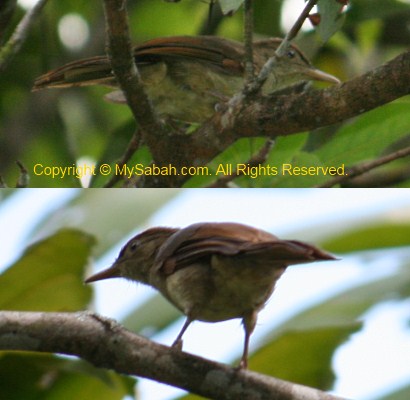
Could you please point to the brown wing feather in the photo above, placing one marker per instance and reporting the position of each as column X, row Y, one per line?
column 206, row 239
column 221, row 53
column 203, row 239
column 287, row 252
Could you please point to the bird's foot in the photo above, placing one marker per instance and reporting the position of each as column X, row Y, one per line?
column 177, row 344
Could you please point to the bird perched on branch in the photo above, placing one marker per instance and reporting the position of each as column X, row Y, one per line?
column 186, row 76
column 211, row 271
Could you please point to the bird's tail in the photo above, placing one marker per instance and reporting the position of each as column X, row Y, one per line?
column 90, row 71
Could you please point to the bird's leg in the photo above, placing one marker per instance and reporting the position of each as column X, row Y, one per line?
column 178, row 341
column 249, row 323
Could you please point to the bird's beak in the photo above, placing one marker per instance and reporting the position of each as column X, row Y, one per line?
column 318, row 75
column 112, row 272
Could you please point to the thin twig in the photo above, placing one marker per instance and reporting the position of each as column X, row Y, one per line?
column 132, row 147
column 24, row 178
column 13, row 46
column 381, row 178
column 215, row 17
column 362, row 168
column 257, row 82
column 284, row 46
column 258, row 159
column 248, row 41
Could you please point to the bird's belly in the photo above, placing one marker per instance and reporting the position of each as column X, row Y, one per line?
column 218, row 297
column 235, row 300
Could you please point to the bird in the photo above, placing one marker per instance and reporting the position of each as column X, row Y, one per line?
column 211, row 271
column 185, row 77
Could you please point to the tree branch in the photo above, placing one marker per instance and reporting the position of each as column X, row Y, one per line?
column 154, row 133
column 126, row 72
column 365, row 167
column 107, row 344
column 248, row 41
column 283, row 47
column 13, row 46
column 132, row 147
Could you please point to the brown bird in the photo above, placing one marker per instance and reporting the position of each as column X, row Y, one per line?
column 211, row 271
column 186, row 76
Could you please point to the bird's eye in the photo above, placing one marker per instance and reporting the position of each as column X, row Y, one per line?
column 291, row 53
column 133, row 246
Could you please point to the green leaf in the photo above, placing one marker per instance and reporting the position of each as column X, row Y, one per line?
column 368, row 34
column 400, row 394
column 303, row 356
column 345, row 308
column 331, row 19
column 300, row 349
column 241, row 151
column 371, row 237
column 49, row 275
column 43, row 376
column 367, row 136
column 364, row 10
column 229, row 6
column 152, row 316
column 93, row 211
column 290, row 174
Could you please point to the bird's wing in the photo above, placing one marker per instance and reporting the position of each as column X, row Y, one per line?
column 219, row 52
column 223, row 54
column 199, row 241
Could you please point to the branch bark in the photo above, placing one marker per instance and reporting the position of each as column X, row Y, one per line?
column 17, row 39
column 107, row 344
column 126, row 72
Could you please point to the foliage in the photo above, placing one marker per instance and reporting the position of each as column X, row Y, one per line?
column 45, row 268
column 64, row 127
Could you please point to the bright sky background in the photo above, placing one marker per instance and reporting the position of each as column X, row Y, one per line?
column 363, row 371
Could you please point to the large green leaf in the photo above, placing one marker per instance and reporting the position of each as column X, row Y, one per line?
column 313, row 335
column 331, row 18
column 400, row 394
column 49, row 275
column 286, row 150
column 31, row 376
column 368, row 135
column 153, row 315
column 345, row 308
column 108, row 214
column 229, row 6
column 371, row 237
column 300, row 349
column 303, row 356
column 372, row 9
column 291, row 174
